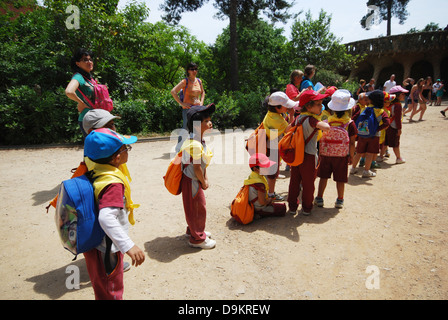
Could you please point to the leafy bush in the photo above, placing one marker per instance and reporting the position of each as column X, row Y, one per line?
column 32, row 117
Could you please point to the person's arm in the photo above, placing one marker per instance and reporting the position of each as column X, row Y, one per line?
column 322, row 125
column 202, row 93
column 200, row 176
column 70, row 92
column 175, row 93
column 108, row 219
column 262, row 198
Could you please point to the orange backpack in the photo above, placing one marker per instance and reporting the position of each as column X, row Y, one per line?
column 241, row 209
column 292, row 146
column 173, row 176
column 77, row 172
column 257, row 141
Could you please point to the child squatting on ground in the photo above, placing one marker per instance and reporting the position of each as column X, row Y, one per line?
column 107, row 151
column 305, row 174
column 337, row 147
column 195, row 159
column 264, row 206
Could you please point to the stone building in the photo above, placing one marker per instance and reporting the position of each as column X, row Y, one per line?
column 415, row 55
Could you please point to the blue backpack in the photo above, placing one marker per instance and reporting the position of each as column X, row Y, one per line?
column 77, row 216
column 367, row 123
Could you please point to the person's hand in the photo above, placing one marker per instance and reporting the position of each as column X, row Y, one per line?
column 137, row 255
column 205, row 185
column 185, row 105
column 82, row 106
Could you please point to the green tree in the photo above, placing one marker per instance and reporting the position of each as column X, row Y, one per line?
column 312, row 42
column 263, row 54
column 387, row 9
column 241, row 11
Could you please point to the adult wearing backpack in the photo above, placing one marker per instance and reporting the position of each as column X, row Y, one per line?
column 189, row 91
column 82, row 66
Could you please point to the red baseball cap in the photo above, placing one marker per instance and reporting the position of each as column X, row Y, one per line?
column 260, row 160
column 310, row 95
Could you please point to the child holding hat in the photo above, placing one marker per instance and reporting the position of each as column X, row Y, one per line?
column 305, row 174
column 108, row 150
column 334, row 163
column 258, row 188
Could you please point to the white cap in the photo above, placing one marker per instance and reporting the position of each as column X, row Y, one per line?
column 341, row 100
column 280, row 98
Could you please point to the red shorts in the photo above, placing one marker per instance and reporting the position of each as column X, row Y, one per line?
column 338, row 166
column 368, row 145
column 392, row 137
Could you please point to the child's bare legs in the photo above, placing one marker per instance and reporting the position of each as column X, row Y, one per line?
column 356, row 159
column 397, row 152
column 369, row 159
column 340, row 187
column 271, row 184
column 321, row 188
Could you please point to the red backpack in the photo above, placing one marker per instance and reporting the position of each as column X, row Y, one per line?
column 101, row 94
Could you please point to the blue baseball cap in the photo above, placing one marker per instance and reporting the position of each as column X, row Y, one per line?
column 103, row 143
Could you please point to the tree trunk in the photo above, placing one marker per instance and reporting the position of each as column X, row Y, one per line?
column 234, row 82
column 389, row 17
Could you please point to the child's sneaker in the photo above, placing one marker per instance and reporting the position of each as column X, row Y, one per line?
column 319, row 202
column 292, row 212
column 305, row 213
column 362, row 162
column 443, row 113
column 339, row 203
column 375, row 165
column 206, row 244
column 353, row 170
column 368, row 174
column 276, row 197
column 400, row 161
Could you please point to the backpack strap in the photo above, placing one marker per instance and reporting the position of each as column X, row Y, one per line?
column 312, row 133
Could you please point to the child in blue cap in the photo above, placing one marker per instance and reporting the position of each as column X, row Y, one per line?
column 106, row 151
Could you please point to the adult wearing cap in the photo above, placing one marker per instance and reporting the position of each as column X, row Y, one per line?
column 196, row 157
column 340, row 105
column 275, row 126
column 98, row 118
column 108, row 151
column 305, row 174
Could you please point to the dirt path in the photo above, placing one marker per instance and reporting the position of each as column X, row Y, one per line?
column 395, row 224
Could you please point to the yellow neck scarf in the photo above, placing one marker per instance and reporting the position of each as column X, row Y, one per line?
column 333, row 118
column 254, row 177
column 105, row 174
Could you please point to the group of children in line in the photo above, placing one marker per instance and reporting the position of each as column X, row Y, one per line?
column 319, row 161
column 106, row 153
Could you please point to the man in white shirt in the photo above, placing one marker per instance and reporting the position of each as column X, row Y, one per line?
column 389, row 83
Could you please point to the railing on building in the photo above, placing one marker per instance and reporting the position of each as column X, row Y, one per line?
column 413, row 42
